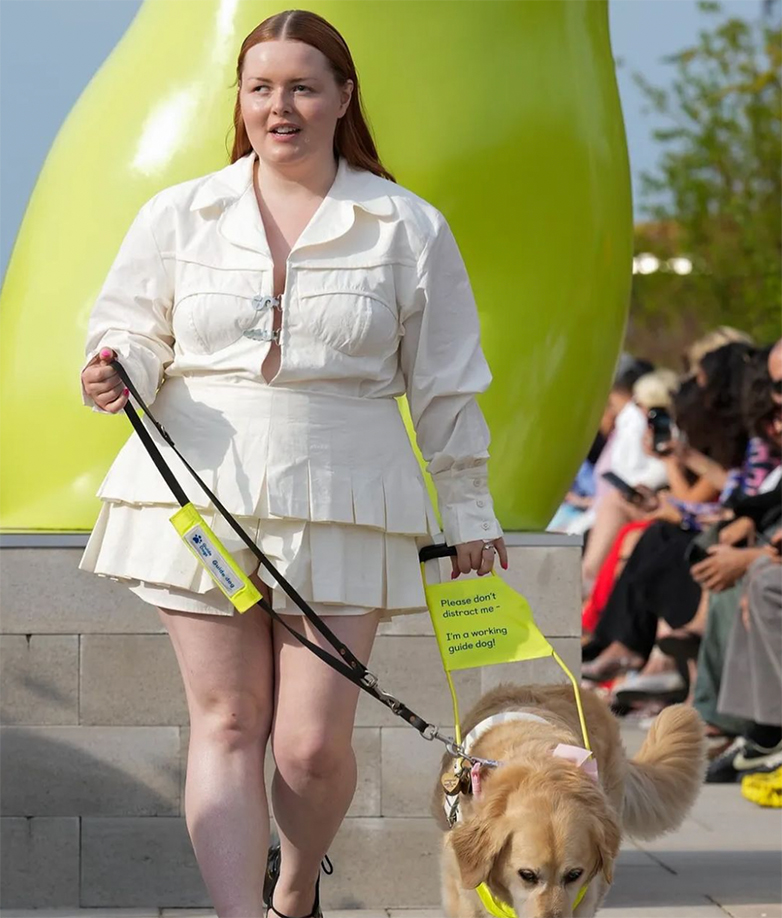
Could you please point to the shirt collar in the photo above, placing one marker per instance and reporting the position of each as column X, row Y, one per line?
column 241, row 222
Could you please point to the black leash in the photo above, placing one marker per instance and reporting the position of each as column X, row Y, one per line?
column 347, row 664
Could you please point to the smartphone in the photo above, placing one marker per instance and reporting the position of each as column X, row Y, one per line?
column 661, row 424
column 695, row 553
column 627, row 491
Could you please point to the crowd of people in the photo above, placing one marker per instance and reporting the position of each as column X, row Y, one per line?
column 679, row 502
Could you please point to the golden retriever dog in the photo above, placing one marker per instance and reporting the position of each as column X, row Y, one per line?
column 540, row 827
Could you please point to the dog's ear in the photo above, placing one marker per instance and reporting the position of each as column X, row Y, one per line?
column 476, row 844
column 606, row 838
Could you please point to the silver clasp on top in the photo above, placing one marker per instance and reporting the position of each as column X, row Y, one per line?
column 261, row 334
column 261, row 303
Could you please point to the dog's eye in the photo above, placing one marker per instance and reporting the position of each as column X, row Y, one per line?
column 529, row 876
column 572, row 875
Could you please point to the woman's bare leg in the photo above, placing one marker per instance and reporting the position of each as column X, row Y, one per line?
column 612, row 514
column 312, row 741
column 227, row 669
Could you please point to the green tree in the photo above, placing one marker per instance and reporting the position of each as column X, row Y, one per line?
column 716, row 193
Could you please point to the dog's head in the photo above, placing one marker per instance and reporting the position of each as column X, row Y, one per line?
column 536, row 837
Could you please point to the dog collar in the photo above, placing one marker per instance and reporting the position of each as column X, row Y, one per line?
column 452, row 808
column 495, row 720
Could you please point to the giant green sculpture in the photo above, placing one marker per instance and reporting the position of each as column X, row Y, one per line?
column 504, row 115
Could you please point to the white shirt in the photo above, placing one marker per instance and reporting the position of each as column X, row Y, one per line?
column 771, row 480
column 377, row 304
column 628, row 459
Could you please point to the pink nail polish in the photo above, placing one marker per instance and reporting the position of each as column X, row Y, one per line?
column 505, row 566
column 454, row 575
column 105, row 354
column 126, row 391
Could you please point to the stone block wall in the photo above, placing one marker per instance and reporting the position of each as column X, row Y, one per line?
column 94, row 738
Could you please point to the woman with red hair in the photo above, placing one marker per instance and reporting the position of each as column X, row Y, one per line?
column 274, row 310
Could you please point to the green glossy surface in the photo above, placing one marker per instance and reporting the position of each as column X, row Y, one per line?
column 504, row 115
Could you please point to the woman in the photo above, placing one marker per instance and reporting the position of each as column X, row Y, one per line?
column 284, row 302
column 632, row 459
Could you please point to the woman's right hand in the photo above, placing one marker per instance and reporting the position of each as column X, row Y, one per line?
column 102, row 384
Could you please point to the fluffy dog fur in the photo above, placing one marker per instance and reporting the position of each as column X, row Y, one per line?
column 545, row 818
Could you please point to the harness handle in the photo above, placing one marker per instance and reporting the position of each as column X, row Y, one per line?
column 436, row 550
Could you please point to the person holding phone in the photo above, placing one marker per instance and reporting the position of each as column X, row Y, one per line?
column 627, row 462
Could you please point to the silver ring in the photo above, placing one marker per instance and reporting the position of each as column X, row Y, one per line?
column 488, row 545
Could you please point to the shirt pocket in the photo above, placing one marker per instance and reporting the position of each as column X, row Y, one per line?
column 352, row 309
column 214, row 307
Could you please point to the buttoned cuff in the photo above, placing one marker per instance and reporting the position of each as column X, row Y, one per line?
column 465, row 504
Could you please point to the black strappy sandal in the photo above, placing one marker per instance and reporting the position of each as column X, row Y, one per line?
column 273, row 862
column 272, row 873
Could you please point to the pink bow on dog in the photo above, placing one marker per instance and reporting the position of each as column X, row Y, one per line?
column 475, row 778
column 582, row 757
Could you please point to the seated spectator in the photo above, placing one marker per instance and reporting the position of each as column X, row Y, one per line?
column 652, row 392
column 656, row 581
column 683, row 484
column 716, row 396
column 762, row 513
column 751, row 683
column 623, row 453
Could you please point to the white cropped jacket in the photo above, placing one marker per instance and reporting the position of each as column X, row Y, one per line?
column 377, row 304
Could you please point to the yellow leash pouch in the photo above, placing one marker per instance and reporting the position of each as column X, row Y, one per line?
column 215, row 558
column 481, row 622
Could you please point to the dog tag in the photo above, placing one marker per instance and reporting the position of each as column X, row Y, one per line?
column 451, row 784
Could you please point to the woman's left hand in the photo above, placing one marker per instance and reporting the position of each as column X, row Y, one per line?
column 478, row 556
column 724, row 567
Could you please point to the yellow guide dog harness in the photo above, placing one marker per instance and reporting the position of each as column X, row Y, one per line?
column 453, row 811
column 481, row 622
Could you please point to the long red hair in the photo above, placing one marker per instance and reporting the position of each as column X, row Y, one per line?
column 352, row 138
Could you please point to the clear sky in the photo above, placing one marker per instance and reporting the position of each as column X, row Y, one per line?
column 79, row 34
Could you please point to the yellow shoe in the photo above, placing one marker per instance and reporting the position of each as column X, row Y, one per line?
column 763, row 789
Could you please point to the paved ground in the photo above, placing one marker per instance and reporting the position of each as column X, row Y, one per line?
column 724, row 861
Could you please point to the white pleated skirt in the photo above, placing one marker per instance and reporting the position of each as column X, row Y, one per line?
column 327, row 486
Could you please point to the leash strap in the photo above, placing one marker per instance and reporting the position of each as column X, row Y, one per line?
column 346, row 663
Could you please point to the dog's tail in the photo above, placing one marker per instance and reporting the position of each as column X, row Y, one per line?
column 665, row 776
